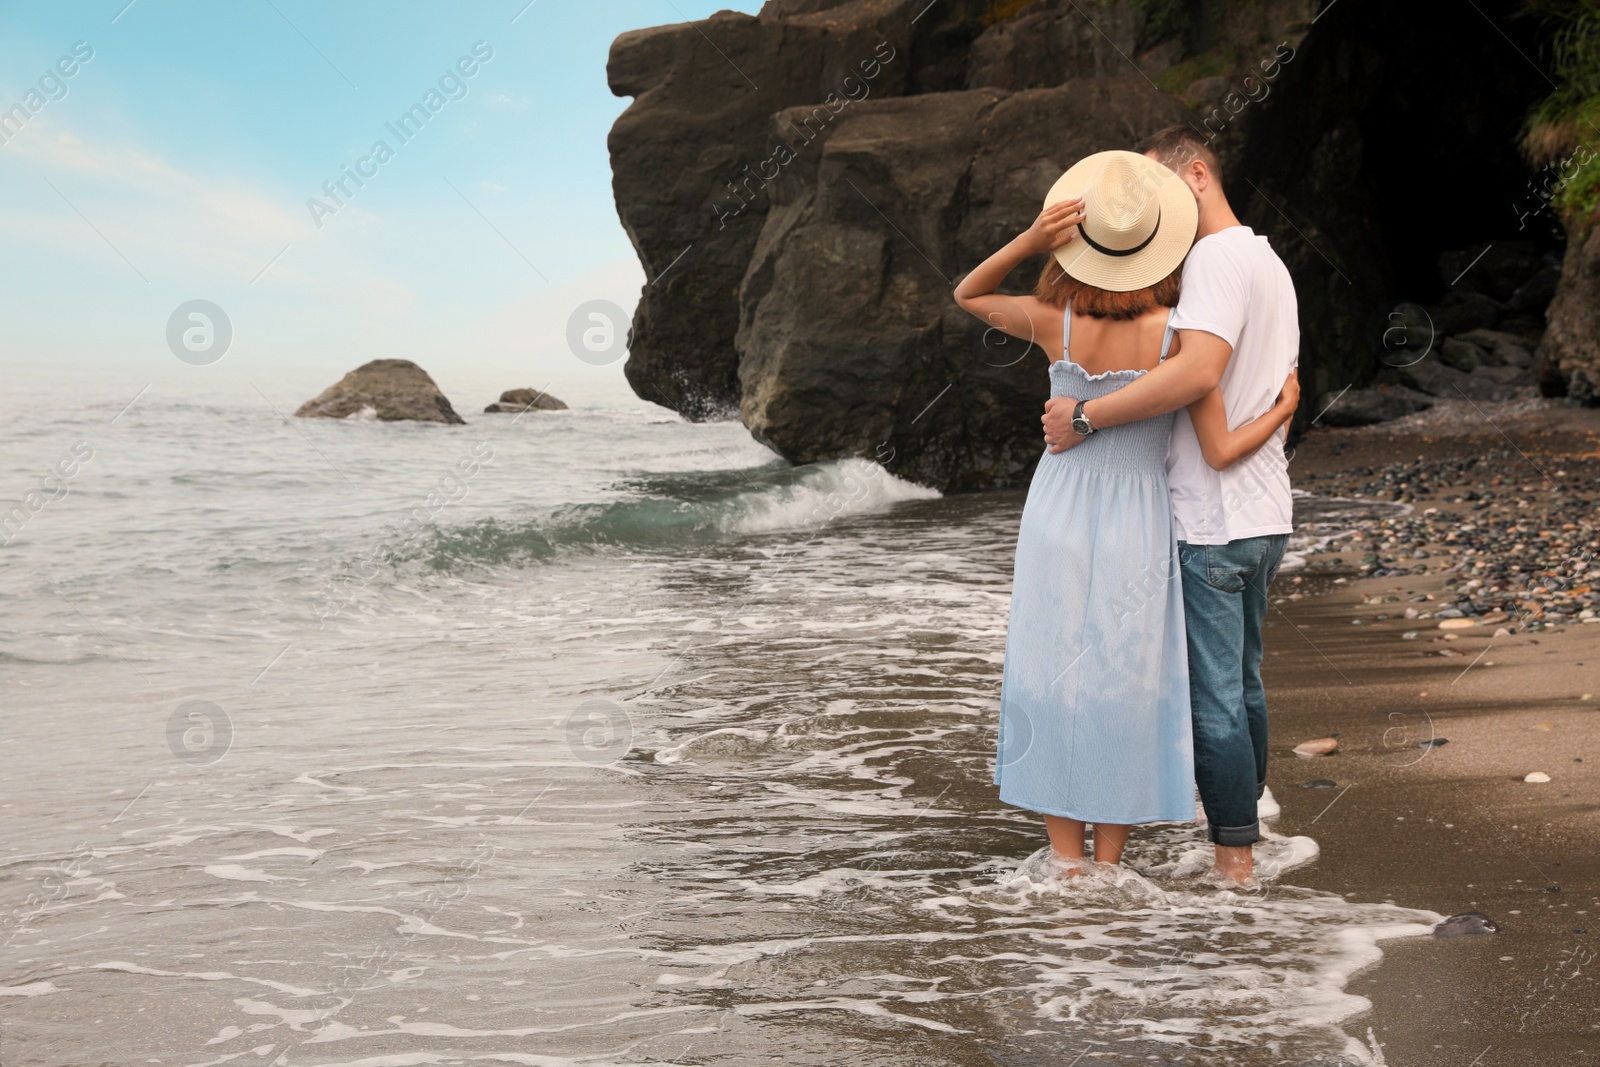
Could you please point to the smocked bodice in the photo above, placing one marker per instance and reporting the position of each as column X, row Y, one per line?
column 1134, row 447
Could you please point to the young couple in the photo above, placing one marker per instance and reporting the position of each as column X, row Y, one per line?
column 1158, row 515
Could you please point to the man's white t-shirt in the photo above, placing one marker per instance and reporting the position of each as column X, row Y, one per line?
column 1236, row 287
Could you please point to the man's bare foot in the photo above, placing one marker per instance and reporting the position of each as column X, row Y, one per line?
column 1234, row 864
column 1220, row 878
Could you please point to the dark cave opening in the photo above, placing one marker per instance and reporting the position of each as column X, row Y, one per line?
column 1441, row 134
column 1389, row 174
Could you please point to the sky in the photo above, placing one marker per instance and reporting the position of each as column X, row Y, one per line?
column 179, row 158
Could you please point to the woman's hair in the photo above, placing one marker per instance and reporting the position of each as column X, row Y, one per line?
column 1058, row 287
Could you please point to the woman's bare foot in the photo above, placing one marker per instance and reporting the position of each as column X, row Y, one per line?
column 1069, row 866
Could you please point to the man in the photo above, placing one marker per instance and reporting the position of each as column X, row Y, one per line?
column 1238, row 328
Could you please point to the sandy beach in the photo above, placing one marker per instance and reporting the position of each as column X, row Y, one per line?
column 1453, row 827
column 519, row 522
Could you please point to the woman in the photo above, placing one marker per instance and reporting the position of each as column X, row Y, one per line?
column 1094, row 701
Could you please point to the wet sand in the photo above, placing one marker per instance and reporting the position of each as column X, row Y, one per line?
column 1451, row 828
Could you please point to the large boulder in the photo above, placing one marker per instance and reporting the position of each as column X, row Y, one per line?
column 801, row 218
column 1436, row 378
column 393, row 389
column 1363, row 407
column 693, row 157
column 516, row 401
column 1499, row 348
column 1497, row 270
column 875, row 230
column 1462, row 310
column 1046, row 43
column 1535, row 294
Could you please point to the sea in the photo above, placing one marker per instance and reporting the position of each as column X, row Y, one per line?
column 592, row 737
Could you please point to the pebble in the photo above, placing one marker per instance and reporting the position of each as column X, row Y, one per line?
column 1466, row 924
column 1433, row 742
column 1536, row 776
column 1322, row 746
column 1456, row 624
column 1320, row 783
column 1523, row 550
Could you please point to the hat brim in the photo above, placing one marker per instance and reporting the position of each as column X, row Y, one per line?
column 1180, row 219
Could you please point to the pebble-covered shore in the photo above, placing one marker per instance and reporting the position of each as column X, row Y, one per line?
column 1514, row 537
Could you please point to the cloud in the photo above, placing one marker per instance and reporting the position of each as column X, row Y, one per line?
column 411, row 281
column 506, row 100
column 232, row 213
column 177, row 224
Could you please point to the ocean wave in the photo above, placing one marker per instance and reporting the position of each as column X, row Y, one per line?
column 684, row 510
column 1319, row 520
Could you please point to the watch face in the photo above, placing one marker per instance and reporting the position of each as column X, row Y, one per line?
column 1081, row 425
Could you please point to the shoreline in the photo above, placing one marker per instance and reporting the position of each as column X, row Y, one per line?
column 1455, row 827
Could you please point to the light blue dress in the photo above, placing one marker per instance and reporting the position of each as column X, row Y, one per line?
column 1094, row 697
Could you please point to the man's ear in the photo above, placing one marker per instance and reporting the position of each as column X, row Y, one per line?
column 1201, row 174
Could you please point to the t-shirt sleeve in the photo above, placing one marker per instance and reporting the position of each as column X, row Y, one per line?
column 1215, row 296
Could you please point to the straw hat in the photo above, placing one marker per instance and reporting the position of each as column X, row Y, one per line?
column 1139, row 220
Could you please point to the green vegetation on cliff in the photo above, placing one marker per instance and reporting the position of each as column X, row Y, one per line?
column 1563, row 130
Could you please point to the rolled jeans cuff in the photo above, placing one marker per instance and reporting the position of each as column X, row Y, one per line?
column 1236, row 836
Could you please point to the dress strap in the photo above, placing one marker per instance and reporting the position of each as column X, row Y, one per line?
column 1166, row 338
column 1066, row 332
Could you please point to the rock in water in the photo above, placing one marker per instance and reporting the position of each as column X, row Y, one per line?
column 1322, row 746
column 1466, row 924
column 516, row 401
column 396, row 389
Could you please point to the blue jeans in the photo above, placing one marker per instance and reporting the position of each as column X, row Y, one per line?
column 1224, row 605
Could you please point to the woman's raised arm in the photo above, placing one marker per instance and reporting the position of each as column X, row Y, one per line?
column 1222, row 447
column 1024, row 317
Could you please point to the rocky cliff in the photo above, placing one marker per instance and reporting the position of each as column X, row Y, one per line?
column 805, row 186
column 1570, row 354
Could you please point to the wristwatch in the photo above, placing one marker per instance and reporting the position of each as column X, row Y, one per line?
column 1080, row 421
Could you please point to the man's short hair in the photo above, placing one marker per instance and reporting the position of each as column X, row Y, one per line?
column 1177, row 146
